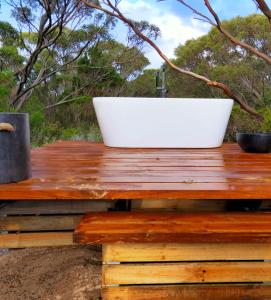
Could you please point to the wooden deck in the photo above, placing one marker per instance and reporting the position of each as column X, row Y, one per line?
column 91, row 171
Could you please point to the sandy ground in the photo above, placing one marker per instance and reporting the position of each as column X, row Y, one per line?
column 51, row 273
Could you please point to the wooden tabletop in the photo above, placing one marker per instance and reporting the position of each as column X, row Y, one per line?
column 85, row 170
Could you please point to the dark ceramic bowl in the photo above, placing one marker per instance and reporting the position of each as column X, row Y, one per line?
column 254, row 142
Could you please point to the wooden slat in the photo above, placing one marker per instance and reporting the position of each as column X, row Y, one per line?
column 168, row 273
column 184, row 205
column 84, row 170
column 39, row 223
column 185, row 252
column 27, row 240
column 189, row 292
column 172, row 227
column 53, row 208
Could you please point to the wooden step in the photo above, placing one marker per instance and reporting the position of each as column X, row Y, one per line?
column 173, row 227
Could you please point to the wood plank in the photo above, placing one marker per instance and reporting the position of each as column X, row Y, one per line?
column 189, row 292
column 39, row 223
column 27, row 240
column 185, row 252
column 55, row 207
column 113, row 191
column 169, row 273
column 90, row 171
column 184, row 205
column 173, row 227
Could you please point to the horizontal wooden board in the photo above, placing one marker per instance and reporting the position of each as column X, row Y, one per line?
column 184, row 205
column 188, row 292
column 202, row 272
column 52, row 208
column 173, row 227
column 185, row 252
column 39, row 223
column 84, row 170
column 27, row 240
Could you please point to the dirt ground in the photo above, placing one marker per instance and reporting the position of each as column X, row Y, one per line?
column 51, row 273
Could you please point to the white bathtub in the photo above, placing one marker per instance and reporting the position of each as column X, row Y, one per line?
column 162, row 122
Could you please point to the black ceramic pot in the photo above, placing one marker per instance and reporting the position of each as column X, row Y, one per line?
column 15, row 164
column 254, row 142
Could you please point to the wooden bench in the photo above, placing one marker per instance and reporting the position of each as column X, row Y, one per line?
column 188, row 256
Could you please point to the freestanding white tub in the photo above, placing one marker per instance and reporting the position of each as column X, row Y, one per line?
column 162, row 122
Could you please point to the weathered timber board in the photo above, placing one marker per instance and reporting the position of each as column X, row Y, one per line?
column 173, row 227
column 85, row 170
column 199, row 205
column 43, row 239
column 39, row 223
column 136, row 252
column 45, row 207
column 174, row 273
column 189, row 292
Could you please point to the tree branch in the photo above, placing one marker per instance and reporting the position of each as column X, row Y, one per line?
column 66, row 98
column 50, row 27
column 262, row 5
column 20, row 100
column 229, row 36
column 234, row 40
column 226, row 90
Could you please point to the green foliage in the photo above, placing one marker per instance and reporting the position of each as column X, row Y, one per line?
column 6, row 85
column 61, row 107
column 104, row 69
column 69, row 133
column 143, row 85
column 243, row 122
column 215, row 57
column 266, row 124
column 37, row 119
column 79, row 62
column 8, row 34
column 10, row 59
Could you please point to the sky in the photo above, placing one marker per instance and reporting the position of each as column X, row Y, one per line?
column 176, row 22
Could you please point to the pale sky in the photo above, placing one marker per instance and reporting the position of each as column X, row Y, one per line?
column 176, row 22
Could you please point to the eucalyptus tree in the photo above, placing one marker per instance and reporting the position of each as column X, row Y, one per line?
column 50, row 35
column 216, row 57
column 105, row 68
column 112, row 9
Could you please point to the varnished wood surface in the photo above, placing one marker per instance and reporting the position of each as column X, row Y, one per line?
column 172, row 227
column 85, row 170
column 189, row 292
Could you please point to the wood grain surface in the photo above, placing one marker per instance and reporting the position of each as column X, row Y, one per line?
column 200, row 272
column 136, row 252
column 173, row 227
column 189, row 292
column 85, row 170
column 40, row 239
